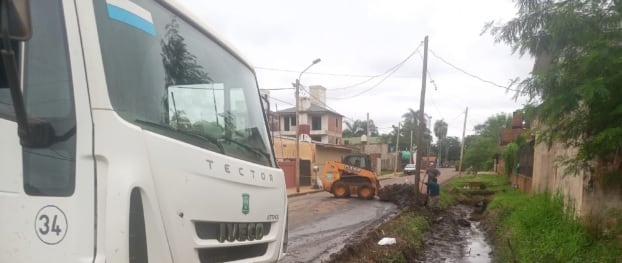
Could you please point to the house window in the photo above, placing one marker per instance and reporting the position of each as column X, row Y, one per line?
column 289, row 121
column 317, row 138
column 337, row 123
column 316, row 123
column 286, row 123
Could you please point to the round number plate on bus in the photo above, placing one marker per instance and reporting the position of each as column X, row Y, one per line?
column 51, row 225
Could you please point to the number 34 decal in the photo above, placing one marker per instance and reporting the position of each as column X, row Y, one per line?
column 51, row 225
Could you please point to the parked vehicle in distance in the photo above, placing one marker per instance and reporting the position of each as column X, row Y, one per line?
column 410, row 169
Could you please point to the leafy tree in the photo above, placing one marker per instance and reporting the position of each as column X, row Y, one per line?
column 479, row 154
column 451, row 148
column 493, row 126
column 575, row 90
column 358, row 128
column 410, row 122
column 440, row 130
column 510, row 155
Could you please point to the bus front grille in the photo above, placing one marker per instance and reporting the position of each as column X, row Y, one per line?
column 225, row 254
column 232, row 231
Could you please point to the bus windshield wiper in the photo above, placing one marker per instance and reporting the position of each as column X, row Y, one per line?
column 202, row 137
column 252, row 149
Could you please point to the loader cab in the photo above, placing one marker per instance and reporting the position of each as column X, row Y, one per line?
column 359, row 160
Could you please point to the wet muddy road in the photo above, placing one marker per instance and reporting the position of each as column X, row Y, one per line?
column 321, row 225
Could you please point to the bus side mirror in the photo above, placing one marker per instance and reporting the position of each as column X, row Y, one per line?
column 18, row 12
column 40, row 134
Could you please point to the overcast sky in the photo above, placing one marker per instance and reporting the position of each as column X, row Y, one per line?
column 357, row 39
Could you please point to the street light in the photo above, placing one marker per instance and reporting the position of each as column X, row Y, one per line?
column 363, row 142
column 317, row 60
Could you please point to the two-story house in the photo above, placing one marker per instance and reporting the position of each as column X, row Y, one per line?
column 317, row 122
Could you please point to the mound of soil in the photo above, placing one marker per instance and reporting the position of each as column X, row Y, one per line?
column 403, row 195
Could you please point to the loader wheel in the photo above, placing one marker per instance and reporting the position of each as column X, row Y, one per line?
column 366, row 192
column 341, row 190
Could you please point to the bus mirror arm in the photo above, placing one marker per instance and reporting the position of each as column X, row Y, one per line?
column 35, row 133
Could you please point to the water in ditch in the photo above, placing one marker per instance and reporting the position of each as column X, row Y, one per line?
column 456, row 238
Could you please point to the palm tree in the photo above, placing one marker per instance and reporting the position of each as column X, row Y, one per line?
column 358, row 128
column 440, row 130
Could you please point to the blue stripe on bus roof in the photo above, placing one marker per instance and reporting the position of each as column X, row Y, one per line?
column 131, row 19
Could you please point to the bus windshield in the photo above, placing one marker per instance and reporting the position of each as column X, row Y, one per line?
column 170, row 77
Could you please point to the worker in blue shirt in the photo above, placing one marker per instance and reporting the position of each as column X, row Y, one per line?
column 434, row 192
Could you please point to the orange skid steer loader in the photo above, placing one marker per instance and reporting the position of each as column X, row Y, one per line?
column 353, row 175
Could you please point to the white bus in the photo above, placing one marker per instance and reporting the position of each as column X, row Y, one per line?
column 129, row 132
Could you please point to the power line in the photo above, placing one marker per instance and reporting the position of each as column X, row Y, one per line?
column 329, row 74
column 470, row 74
column 388, row 74
column 288, row 103
column 391, row 70
column 278, row 89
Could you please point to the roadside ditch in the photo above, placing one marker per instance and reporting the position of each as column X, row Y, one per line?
column 450, row 234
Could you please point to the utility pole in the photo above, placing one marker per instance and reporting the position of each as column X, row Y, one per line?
column 466, row 113
column 411, row 146
column 297, row 135
column 317, row 60
column 440, row 146
column 421, row 117
column 397, row 148
column 368, row 125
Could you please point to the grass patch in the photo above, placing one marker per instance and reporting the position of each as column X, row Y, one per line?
column 456, row 190
column 537, row 229
column 408, row 229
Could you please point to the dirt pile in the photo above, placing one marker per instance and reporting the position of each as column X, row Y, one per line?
column 403, row 195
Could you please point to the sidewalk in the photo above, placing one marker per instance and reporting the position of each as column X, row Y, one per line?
column 310, row 190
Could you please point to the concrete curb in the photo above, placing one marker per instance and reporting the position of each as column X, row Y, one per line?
column 305, row 193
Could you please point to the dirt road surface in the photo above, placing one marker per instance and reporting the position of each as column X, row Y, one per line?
column 320, row 225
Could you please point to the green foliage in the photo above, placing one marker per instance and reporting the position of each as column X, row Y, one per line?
column 493, row 126
column 451, row 148
column 576, row 87
column 440, row 129
column 410, row 228
column 410, row 122
column 454, row 191
column 358, row 128
column 479, row 153
column 510, row 155
column 392, row 258
column 540, row 230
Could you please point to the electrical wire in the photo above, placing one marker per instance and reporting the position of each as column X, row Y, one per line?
column 469, row 74
column 387, row 74
column 329, row 74
column 286, row 102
